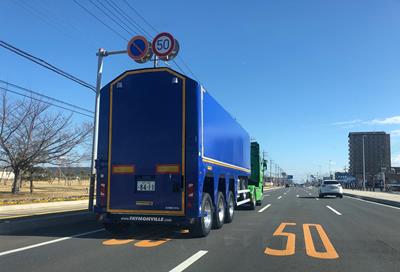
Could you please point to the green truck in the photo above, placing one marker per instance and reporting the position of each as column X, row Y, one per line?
column 256, row 181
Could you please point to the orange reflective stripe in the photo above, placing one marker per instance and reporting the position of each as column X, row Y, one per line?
column 123, row 169
column 330, row 252
column 290, row 244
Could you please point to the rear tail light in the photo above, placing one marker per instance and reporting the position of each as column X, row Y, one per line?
column 190, row 194
column 190, row 190
column 102, row 194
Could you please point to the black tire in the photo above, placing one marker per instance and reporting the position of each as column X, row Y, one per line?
column 229, row 213
column 341, row 196
column 200, row 228
column 116, row 228
column 219, row 212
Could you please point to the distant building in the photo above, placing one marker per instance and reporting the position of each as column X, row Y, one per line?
column 377, row 154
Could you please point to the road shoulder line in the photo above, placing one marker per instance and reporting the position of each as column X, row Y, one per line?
column 373, row 202
column 388, row 203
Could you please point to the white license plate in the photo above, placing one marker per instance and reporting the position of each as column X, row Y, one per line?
column 145, row 185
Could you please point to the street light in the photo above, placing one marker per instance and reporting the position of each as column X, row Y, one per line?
column 363, row 145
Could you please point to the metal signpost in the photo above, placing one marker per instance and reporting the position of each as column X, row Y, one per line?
column 141, row 51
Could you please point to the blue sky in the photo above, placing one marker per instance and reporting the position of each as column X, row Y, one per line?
column 298, row 75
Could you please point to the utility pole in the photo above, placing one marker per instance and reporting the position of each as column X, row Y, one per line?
column 363, row 146
column 270, row 170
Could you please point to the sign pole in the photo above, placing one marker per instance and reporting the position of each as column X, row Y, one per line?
column 100, row 54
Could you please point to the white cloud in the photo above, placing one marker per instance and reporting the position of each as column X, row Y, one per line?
column 351, row 122
column 394, row 120
column 386, row 121
column 395, row 133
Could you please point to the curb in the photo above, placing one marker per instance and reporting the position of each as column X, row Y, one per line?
column 377, row 200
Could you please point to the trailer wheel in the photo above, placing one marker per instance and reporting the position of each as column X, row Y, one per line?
column 229, row 211
column 202, row 227
column 116, row 228
column 219, row 213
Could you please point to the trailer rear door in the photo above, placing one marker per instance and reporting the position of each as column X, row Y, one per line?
column 147, row 143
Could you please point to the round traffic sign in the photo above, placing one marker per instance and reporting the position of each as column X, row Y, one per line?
column 139, row 49
column 165, row 46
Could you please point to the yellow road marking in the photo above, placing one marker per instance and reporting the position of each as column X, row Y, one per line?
column 290, row 244
column 116, row 242
column 151, row 243
column 330, row 252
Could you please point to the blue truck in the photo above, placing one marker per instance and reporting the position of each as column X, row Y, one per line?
column 169, row 153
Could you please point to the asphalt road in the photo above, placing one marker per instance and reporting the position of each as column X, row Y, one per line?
column 349, row 235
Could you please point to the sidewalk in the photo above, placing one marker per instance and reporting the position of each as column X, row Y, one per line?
column 15, row 211
column 379, row 197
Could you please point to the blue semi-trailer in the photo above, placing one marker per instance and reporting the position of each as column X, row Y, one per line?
column 168, row 153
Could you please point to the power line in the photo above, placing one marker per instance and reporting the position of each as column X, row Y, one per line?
column 45, row 64
column 110, row 17
column 113, row 14
column 138, row 13
column 127, row 17
column 99, row 20
column 44, row 96
column 46, row 102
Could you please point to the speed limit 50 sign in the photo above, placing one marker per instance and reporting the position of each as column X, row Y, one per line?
column 165, row 46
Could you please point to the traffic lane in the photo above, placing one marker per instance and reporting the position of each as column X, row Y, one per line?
column 374, row 221
column 25, row 232
column 239, row 240
column 102, row 252
column 354, row 252
column 251, row 237
column 39, row 230
column 367, row 237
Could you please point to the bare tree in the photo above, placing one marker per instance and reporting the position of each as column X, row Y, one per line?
column 32, row 135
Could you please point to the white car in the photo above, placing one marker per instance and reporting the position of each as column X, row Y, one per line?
column 330, row 187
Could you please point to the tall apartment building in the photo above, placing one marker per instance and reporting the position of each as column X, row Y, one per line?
column 377, row 153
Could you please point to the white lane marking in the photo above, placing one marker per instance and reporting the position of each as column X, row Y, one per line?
column 284, row 193
column 380, row 204
column 309, row 193
column 333, row 210
column 186, row 263
column 297, row 195
column 48, row 242
column 279, row 197
column 266, row 207
column 317, row 198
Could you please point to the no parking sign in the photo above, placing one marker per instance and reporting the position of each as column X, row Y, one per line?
column 139, row 49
